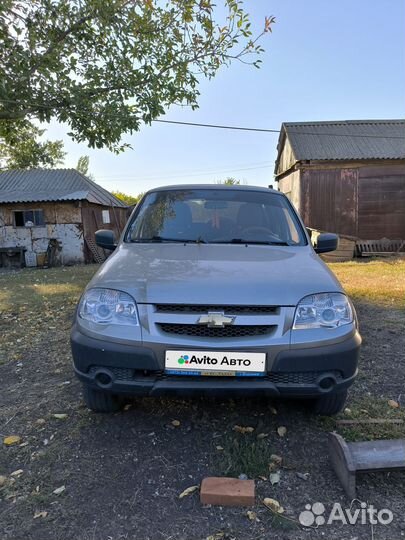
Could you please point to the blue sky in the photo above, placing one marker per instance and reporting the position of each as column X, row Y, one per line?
column 325, row 60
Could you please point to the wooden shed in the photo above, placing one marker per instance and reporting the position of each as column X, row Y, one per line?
column 346, row 177
column 49, row 216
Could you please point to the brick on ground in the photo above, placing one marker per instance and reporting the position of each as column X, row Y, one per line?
column 223, row 491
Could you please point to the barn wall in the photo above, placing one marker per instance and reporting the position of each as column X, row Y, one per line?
column 287, row 158
column 362, row 200
column 66, row 212
column 62, row 223
column 381, row 209
column 92, row 219
column 329, row 200
column 290, row 185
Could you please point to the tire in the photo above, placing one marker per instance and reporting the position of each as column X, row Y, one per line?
column 102, row 402
column 330, row 404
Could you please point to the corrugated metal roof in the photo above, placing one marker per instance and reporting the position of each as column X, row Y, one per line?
column 345, row 140
column 39, row 185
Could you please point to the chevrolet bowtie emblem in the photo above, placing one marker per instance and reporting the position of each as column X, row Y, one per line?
column 214, row 318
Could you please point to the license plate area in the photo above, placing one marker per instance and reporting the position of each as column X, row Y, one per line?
column 215, row 363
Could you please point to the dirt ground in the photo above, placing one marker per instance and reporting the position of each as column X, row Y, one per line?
column 122, row 473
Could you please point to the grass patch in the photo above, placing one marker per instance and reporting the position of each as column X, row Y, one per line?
column 379, row 282
column 244, row 454
column 283, row 523
column 34, row 301
column 36, row 287
column 364, row 410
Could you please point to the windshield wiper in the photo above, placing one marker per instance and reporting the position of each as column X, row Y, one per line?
column 254, row 242
column 158, row 239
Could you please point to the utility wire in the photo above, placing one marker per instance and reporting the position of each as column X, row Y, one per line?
column 214, row 170
column 279, row 131
column 218, row 126
column 181, row 175
column 238, row 128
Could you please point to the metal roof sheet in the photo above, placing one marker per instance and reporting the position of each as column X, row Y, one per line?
column 345, row 140
column 39, row 185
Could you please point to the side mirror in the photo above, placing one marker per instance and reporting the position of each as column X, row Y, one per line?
column 326, row 242
column 105, row 239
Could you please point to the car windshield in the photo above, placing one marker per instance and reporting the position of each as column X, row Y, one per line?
column 216, row 216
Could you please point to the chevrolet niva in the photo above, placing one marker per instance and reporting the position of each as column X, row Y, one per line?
column 215, row 290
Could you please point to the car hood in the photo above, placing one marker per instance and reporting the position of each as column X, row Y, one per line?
column 216, row 274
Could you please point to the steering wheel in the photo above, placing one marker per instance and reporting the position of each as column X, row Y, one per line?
column 258, row 229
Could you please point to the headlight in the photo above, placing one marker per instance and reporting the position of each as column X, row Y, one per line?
column 323, row 310
column 107, row 306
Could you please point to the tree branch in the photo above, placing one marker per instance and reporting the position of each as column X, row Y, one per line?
column 61, row 38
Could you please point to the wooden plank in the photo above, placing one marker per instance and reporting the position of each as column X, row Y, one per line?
column 383, row 247
column 369, row 421
column 117, row 223
column 95, row 218
column 389, row 164
column 342, row 463
column 379, row 254
column 346, row 198
column 378, row 455
column 340, row 253
column 368, row 456
column 378, row 171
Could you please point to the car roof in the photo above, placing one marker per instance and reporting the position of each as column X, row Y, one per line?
column 216, row 187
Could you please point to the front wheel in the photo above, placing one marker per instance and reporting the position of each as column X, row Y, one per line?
column 330, row 404
column 99, row 401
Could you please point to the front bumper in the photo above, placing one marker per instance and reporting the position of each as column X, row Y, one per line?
column 135, row 370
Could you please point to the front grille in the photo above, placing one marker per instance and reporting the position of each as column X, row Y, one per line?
column 231, row 310
column 299, row 377
column 278, row 378
column 232, row 331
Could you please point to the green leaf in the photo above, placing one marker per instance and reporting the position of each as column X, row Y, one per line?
column 105, row 68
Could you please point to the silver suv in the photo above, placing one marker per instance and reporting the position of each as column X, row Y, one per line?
column 215, row 290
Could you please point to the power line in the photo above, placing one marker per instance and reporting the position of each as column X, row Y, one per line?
column 181, row 175
column 228, row 127
column 216, row 170
column 279, row 131
column 217, row 126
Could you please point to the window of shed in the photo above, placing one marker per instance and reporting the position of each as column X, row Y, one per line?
column 23, row 218
column 106, row 216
